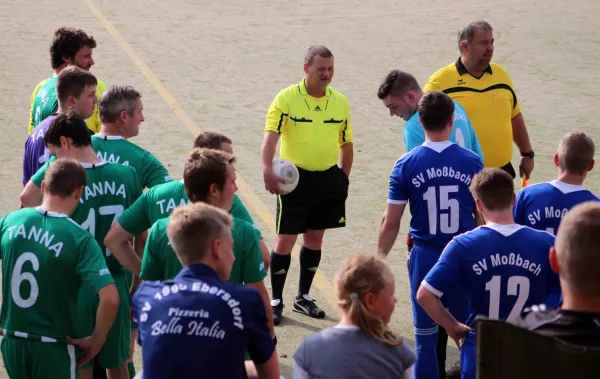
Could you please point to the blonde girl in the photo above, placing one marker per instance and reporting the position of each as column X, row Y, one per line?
column 361, row 345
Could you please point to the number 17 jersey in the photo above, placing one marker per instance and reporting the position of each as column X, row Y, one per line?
column 434, row 180
column 111, row 188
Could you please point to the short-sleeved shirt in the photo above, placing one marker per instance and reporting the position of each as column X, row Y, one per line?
column 325, row 355
column 111, row 188
column 36, row 154
column 158, row 202
column 503, row 269
column 160, row 262
column 116, row 149
column 574, row 327
column 44, row 103
column 197, row 325
column 434, row 180
column 46, row 258
column 312, row 129
column 542, row 206
column 490, row 102
column 462, row 133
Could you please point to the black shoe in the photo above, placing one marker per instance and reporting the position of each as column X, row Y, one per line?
column 306, row 305
column 454, row 371
column 277, row 308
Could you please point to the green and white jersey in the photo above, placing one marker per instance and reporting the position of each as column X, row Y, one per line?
column 46, row 258
column 161, row 263
column 116, row 149
column 45, row 102
column 111, row 189
column 158, row 202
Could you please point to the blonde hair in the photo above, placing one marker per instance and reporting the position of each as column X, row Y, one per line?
column 193, row 228
column 356, row 277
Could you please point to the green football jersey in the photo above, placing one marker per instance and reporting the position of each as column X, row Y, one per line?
column 158, row 202
column 46, row 258
column 161, row 263
column 116, row 149
column 111, row 188
column 46, row 102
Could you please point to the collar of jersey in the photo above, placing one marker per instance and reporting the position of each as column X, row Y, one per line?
column 566, row 187
column 505, row 230
column 197, row 271
column 346, row 327
column 50, row 213
column 92, row 165
column 110, row 138
column 461, row 69
column 303, row 91
column 437, row 146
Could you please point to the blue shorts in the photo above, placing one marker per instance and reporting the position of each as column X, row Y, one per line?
column 468, row 361
column 421, row 260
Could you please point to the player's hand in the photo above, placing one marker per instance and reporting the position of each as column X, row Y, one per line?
column 526, row 165
column 458, row 334
column 88, row 346
column 272, row 181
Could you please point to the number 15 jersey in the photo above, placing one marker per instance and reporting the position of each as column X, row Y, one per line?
column 111, row 188
column 434, row 179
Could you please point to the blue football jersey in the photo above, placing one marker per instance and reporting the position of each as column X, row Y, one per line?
column 503, row 269
column 434, row 179
column 542, row 206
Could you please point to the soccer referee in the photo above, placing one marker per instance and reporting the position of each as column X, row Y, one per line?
column 486, row 92
column 313, row 121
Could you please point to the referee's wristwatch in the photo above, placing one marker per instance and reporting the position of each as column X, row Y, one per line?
column 529, row 154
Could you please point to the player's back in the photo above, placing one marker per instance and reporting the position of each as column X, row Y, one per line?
column 435, row 179
column 462, row 131
column 44, row 103
column 504, row 268
column 542, row 206
column 111, row 188
column 35, row 153
column 116, row 149
column 42, row 257
column 195, row 326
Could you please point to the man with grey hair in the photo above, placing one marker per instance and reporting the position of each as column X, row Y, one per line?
column 486, row 92
column 121, row 115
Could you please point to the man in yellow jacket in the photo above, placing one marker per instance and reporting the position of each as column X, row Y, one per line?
column 69, row 47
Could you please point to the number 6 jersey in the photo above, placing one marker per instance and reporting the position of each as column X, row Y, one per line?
column 111, row 188
column 46, row 257
column 434, row 179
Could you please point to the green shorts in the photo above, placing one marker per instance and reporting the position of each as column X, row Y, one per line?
column 115, row 350
column 31, row 359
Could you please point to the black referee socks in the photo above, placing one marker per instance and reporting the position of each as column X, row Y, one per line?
column 309, row 263
column 280, row 265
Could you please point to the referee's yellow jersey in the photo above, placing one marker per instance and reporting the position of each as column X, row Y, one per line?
column 312, row 129
column 490, row 103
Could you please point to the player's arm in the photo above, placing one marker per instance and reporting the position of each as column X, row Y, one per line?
column 154, row 173
column 31, row 195
column 117, row 241
column 389, row 228
column 91, row 268
column 442, row 276
column 261, row 346
column 346, row 145
column 277, row 117
column 396, row 203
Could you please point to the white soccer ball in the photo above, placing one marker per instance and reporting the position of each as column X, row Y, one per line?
column 289, row 172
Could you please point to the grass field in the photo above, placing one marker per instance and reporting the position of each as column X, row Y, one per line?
column 208, row 65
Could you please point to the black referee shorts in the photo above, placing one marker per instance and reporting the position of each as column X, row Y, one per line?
column 510, row 169
column 317, row 203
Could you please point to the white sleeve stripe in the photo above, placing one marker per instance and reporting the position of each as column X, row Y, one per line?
column 432, row 289
column 399, row 202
